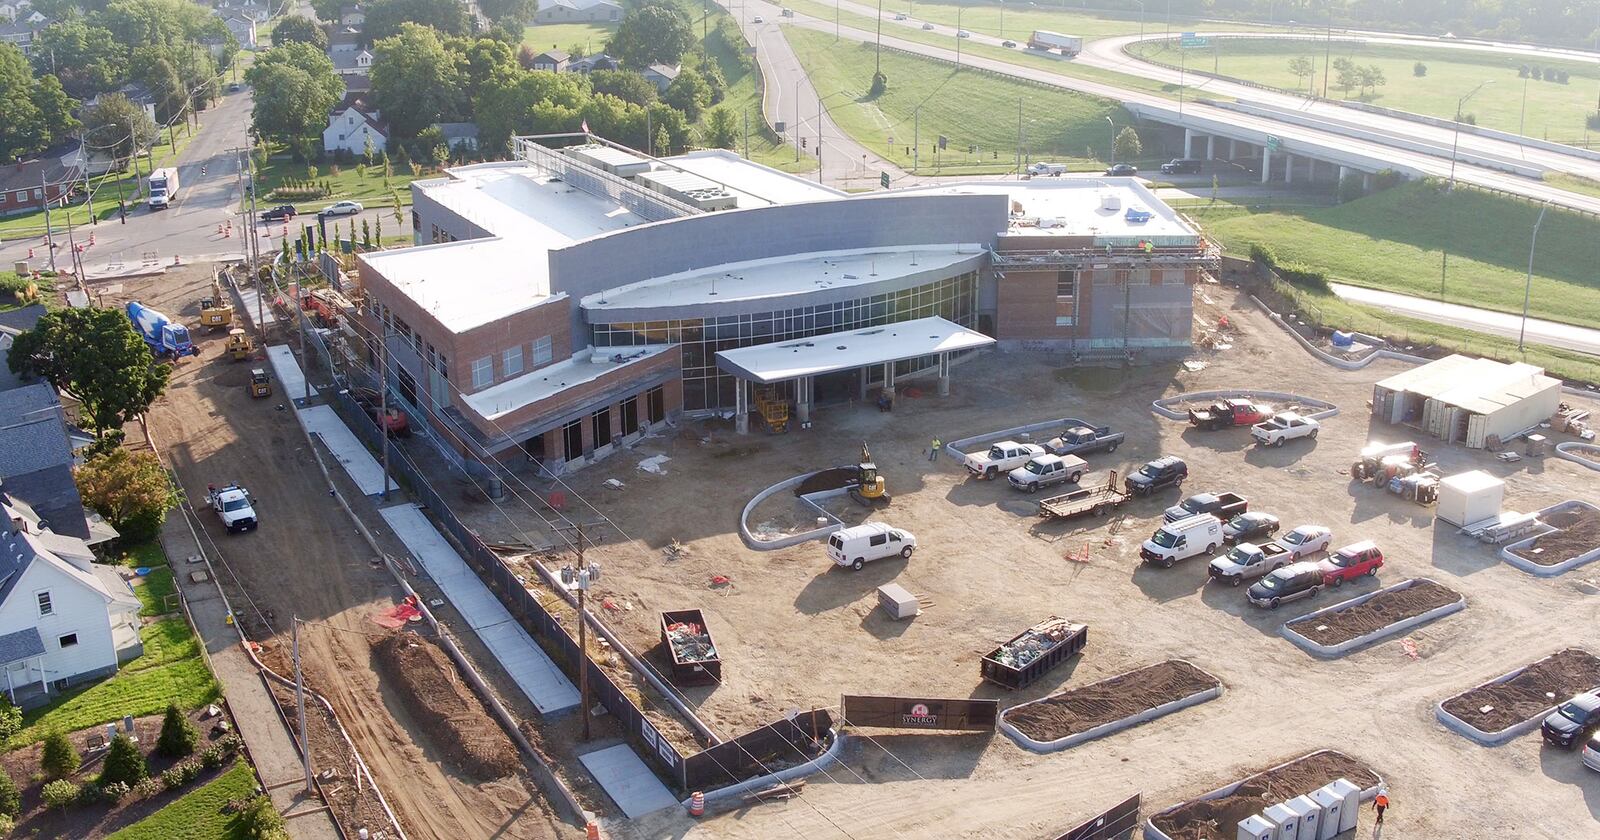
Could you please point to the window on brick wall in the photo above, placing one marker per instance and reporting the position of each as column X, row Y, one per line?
column 482, row 372
column 1066, row 284
column 542, row 352
column 511, row 361
column 444, row 366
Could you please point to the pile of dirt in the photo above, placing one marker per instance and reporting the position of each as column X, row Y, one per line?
column 1082, row 709
column 1218, row 819
column 433, row 693
column 1578, row 532
column 1375, row 613
column 1528, row 694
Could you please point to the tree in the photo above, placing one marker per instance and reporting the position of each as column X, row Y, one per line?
column 655, row 33
column 328, row 9
column 130, row 489
column 1127, row 144
column 59, row 793
column 688, row 93
column 385, row 18
column 292, row 29
column 480, row 60
column 1419, row 69
column 56, row 109
column 86, row 57
column 415, row 81
column 721, row 129
column 21, row 125
column 1348, row 74
column 1351, row 187
column 625, row 85
column 178, row 735
column 123, row 763
column 96, row 356
column 516, row 13
column 59, row 759
column 10, row 721
column 530, row 103
column 1301, row 67
column 261, row 820
column 1370, row 77
column 10, row 799
column 295, row 87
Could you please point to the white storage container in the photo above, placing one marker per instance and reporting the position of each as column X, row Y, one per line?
column 897, row 602
column 1257, row 828
column 1310, row 814
column 1470, row 497
column 1332, row 812
column 1351, row 814
column 1287, row 821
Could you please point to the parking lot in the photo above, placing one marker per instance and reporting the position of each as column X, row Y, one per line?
column 794, row 631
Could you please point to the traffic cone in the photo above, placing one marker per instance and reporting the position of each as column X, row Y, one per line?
column 219, row 230
column 228, row 233
column 697, row 804
column 175, row 260
column 91, row 238
column 593, row 831
column 30, row 253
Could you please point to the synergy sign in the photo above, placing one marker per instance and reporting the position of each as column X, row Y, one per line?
column 920, row 713
column 920, row 716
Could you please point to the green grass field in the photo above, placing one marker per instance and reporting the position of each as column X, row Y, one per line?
column 197, row 815
column 967, row 107
column 1554, row 111
column 155, row 593
column 349, row 182
column 1393, row 240
column 591, row 37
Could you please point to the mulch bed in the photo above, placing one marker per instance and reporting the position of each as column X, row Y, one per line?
column 1528, row 694
column 1218, row 819
column 1081, row 709
column 1578, row 532
column 452, row 715
column 1375, row 613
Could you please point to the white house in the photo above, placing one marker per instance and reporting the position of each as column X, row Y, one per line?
column 661, row 75
column 351, row 123
column 578, row 11
column 352, row 16
column 244, row 31
column 12, row 9
column 351, row 62
column 63, row 618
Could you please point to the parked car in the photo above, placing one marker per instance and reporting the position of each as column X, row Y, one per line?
column 1002, row 457
column 233, row 88
column 1180, row 166
column 899, row 16
column 1591, row 753
column 1224, row 413
column 1248, row 526
column 1181, row 540
column 1159, row 474
column 1046, row 470
column 342, row 208
column 1351, row 562
column 927, row 26
column 1282, row 427
column 1127, row 169
column 1306, row 540
column 962, row 33
column 1082, row 440
column 1565, row 727
column 1045, row 168
column 1247, row 560
column 857, row 546
column 281, row 213
column 1009, row 44
column 1290, row 583
column 1223, row 506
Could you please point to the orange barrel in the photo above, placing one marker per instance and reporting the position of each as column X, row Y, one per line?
column 697, row 804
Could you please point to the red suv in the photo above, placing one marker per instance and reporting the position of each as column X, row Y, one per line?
column 1351, row 562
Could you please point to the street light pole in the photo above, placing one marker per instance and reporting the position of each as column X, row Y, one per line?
column 1444, row 250
column 877, row 60
column 959, row 10
column 1527, row 289
column 1113, row 140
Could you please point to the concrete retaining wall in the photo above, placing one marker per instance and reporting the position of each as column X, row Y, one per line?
column 1107, row 728
column 1153, row 833
column 1579, row 453
column 1533, row 568
column 815, row 765
column 758, row 544
column 1324, row 408
column 1493, row 739
column 962, row 446
column 1398, row 627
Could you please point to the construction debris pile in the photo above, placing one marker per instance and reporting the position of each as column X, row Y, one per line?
column 1038, row 641
column 690, row 642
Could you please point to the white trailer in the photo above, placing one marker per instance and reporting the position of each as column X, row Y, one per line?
column 164, row 186
column 1044, row 39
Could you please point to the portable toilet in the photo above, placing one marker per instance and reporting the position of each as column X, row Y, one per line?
column 1351, row 813
column 1310, row 814
column 1287, row 821
column 1256, row 827
column 1332, row 805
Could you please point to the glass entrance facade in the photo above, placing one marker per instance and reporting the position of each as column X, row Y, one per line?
column 706, row 388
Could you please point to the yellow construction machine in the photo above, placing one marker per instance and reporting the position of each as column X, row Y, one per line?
column 216, row 311
column 870, row 488
column 239, row 345
column 260, row 385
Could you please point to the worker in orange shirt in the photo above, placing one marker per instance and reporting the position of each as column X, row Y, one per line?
column 1381, row 803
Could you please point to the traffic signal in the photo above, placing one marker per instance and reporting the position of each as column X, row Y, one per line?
column 802, row 142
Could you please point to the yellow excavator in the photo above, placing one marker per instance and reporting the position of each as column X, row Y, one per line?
column 216, row 311
column 870, row 489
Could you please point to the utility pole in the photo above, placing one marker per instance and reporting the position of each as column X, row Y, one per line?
column 49, row 242
column 1527, row 290
column 877, row 66
column 916, row 137
column 580, row 579
column 1327, row 52
column 383, row 399
column 747, row 134
column 1019, row 137
column 300, row 704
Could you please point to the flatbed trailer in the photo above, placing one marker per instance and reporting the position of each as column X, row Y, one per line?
column 1096, row 500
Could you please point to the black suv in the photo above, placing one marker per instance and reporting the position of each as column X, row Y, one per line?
column 1181, row 166
column 1156, row 475
column 282, row 212
column 1565, row 726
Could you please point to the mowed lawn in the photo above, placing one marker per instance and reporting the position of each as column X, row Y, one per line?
column 930, row 98
column 198, row 815
column 1554, row 111
column 591, row 37
column 1395, row 239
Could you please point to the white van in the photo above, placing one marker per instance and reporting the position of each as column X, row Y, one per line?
column 1181, row 540
column 853, row 547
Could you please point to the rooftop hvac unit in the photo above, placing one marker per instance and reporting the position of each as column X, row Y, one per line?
column 1052, row 222
column 1333, row 806
column 1256, row 827
column 1310, row 814
column 1287, row 821
column 1351, row 812
column 1110, row 201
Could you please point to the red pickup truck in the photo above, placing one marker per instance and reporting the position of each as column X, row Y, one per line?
column 1224, row 413
column 1351, row 562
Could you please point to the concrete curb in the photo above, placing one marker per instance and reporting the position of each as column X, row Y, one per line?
column 959, row 447
column 1324, row 408
column 1106, row 728
column 755, row 543
column 1153, row 833
column 1342, row 648
column 1493, row 739
column 815, row 765
column 1533, row 568
column 1572, row 451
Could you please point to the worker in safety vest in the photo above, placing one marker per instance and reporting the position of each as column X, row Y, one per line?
column 1381, row 803
column 933, row 449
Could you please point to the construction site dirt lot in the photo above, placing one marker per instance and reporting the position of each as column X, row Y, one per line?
column 1491, row 708
column 306, row 561
column 1216, row 819
column 1375, row 613
column 1125, row 695
column 794, row 631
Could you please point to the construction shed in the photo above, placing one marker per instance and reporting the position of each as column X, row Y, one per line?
column 1475, row 402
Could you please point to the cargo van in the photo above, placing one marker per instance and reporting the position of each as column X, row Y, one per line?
column 855, row 547
column 1181, row 540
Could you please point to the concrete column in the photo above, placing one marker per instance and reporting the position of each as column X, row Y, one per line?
column 1266, row 164
column 741, row 408
column 1211, row 147
column 1188, row 141
column 944, row 374
column 1288, row 169
column 1311, row 170
column 888, row 379
column 1233, row 149
column 1343, row 171
column 1366, row 182
column 802, row 399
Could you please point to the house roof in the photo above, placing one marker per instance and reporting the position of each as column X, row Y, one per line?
column 32, row 434
column 23, row 644
column 454, row 131
column 26, row 318
column 18, row 551
column 348, row 59
column 665, row 71
column 552, row 57
column 28, row 173
column 357, row 83
column 354, row 101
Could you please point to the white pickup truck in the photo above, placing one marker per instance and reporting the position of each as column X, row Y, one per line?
column 1002, row 457
column 233, row 506
column 1248, row 560
column 1045, row 470
column 1285, row 425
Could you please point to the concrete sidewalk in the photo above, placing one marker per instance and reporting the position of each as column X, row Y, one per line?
column 276, row 757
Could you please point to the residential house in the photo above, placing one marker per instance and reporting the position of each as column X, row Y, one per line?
column 351, row 124
column 12, row 9
column 13, row 323
column 138, row 94
column 348, row 62
column 21, row 33
column 352, row 15
column 591, row 63
column 243, row 29
column 459, row 135
column 36, row 458
column 255, row 10
column 27, row 184
column 344, row 38
column 553, row 61
column 64, row 619
column 356, row 83
column 661, row 75
column 578, row 11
